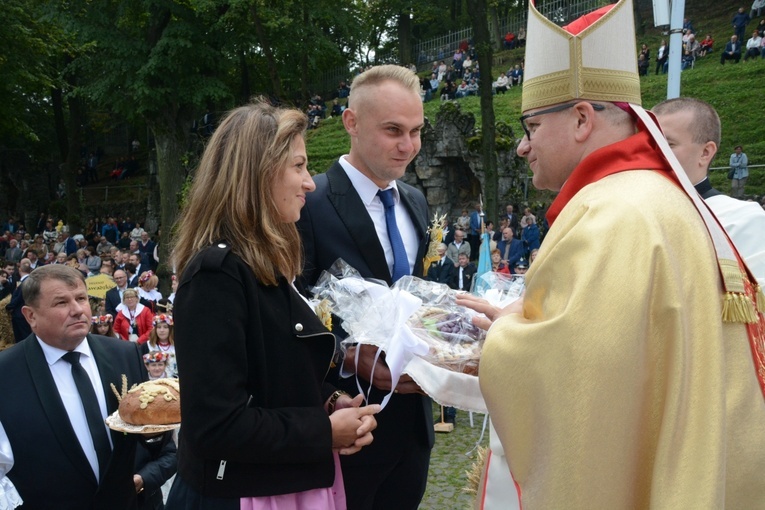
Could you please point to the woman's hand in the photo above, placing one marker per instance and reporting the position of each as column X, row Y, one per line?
column 352, row 426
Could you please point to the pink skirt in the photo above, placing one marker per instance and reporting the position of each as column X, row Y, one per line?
column 329, row 498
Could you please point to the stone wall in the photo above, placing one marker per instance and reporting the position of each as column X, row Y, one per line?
column 450, row 174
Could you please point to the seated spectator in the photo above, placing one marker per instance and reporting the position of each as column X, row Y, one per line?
column 531, row 237
column 646, row 52
column 496, row 263
column 451, row 75
column 761, row 28
column 642, row 65
column 753, row 46
column 343, row 90
column 692, row 46
column 528, row 218
column 462, row 90
column 509, row 42
column 473, row 87
column 688, row 26
column 500, row 86
column 458, row 247
column 732, row 51
column 467, row 64
column 337, row 109
column 521, row 39
column 441, row 70
column 511, row 249
column 104, row 246
column 448, row 91
column 762, row 47
column 137, row 233
column 706, row 46
column 119, row 167
column 516, row 75
column 434, row 82
column 131, row 168
column 688, row 60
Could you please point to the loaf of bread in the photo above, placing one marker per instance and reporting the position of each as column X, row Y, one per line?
column 156, row 402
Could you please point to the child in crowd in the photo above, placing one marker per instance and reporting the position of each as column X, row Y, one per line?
column 161, row 339
column 103, row 325
column 156, row 363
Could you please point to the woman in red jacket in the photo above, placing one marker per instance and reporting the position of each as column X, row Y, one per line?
column 134, row 321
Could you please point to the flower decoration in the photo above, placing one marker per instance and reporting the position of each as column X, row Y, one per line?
column 155, row 357
column 100, row 320
column 163, row 317
column 146, row 276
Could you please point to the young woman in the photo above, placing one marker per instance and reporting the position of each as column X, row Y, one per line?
column 261, row 428
column 161, row 339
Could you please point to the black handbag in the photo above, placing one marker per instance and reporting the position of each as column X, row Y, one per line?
column 730, row 173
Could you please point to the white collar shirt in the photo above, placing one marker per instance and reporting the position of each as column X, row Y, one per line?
column 367, row 191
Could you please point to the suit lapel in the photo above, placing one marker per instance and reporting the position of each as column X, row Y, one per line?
column 53, row 406
column 352, row 212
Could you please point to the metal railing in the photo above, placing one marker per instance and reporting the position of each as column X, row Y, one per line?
column 442, row 47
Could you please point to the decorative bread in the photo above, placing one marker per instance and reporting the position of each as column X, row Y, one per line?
column 156, row 402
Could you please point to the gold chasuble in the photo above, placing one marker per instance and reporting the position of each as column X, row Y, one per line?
column 620, row 387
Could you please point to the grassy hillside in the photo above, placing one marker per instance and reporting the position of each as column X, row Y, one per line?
column 736, row 91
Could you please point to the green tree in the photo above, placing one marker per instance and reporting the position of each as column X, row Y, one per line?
column 484, row 48
column 159, row 61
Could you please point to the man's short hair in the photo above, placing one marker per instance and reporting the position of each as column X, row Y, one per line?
column 32, row 250
column 33, row 283
column 706, row 123
column 380, row 74
column 130, row 268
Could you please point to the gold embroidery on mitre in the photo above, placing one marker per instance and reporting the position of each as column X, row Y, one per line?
column 577, row 82
column 760, row 298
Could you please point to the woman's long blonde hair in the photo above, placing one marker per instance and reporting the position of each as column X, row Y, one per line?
column 230, row 199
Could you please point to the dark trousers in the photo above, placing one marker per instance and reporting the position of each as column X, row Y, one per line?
column 398, row 484
column 727, row 56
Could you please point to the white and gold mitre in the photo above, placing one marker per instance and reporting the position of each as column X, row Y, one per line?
column 592, row 58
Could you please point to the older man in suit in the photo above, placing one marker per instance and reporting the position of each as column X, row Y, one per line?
column 52, row 426
column 362, row 213
column 441, row 271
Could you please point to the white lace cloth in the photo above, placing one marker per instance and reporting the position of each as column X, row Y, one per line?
column 9, row 496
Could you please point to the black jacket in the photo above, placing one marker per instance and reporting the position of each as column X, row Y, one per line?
column 50, row 469
column 253, row 359
column 334, row 223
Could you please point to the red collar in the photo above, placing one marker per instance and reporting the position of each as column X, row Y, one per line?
column 638, row 152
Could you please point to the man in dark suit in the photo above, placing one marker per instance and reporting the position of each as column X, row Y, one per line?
column 732, row 51
column 512, row 217
column 443, row 270
column 63, row 455
column 21, row 328
column 462, row 278
column 510, row 248
column 113, row 296
column 362, row 213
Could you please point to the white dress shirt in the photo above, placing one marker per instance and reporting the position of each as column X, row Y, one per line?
column 61, row 371
column 367, row 191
